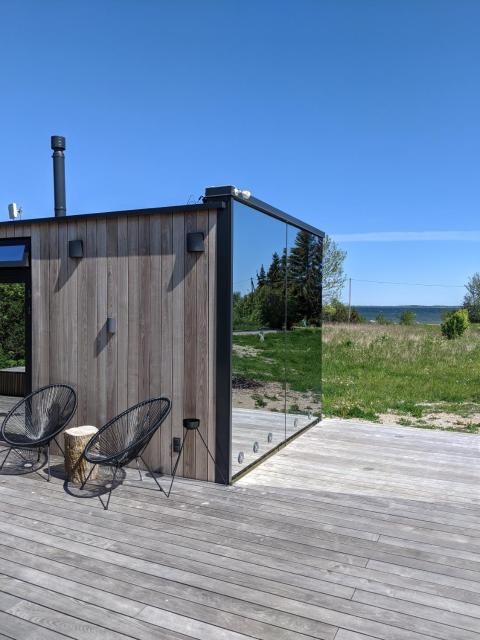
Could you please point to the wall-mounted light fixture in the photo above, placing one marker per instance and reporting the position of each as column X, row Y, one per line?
column 75, row 248
column 195, row 242
column 111, row 325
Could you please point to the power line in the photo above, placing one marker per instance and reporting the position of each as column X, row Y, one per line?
column 408, row 284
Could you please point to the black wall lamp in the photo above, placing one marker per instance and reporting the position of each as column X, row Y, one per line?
column 195, row 242
column 75, row 248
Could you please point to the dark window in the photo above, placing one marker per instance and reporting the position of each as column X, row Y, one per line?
column 13, row 255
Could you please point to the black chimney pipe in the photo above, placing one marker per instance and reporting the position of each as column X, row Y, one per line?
column 58, row 146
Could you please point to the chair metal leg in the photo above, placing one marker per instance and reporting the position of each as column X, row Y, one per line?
column 138, row 467
column 58, row 445
column 5, row 459
column 111, row 487
column 212, row 458
column 87, row 478
column 48, row 462
column 152, row 474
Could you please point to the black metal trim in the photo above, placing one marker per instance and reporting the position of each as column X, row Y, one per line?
column 186, row 208
column 229, row 192
column 224, row 310
column 22, row 275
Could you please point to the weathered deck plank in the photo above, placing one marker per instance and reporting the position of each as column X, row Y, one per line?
column 352, row 532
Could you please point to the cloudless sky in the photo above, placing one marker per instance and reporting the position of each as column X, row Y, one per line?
column 354, row 115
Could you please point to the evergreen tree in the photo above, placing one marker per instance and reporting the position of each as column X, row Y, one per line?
column 305, row 276
column 276, row 273
column 261, row 277
column 271, row 298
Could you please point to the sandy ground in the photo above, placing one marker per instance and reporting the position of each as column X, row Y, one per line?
column 269, row 396
column 437, row 420
column 272, row 394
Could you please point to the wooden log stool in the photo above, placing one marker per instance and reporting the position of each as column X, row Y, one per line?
column 76, row 467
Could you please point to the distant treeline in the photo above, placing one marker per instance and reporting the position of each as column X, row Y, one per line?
column 423, row 314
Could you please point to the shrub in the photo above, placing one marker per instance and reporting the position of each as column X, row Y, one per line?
column 336, row 311
column 12, row 324
column 382, row 319
column 407, row 318
column 455, row 324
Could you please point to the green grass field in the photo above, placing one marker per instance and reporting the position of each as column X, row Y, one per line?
column 406, row 375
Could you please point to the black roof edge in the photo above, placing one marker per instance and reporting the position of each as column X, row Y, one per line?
column 229, row 191
column 212, row 204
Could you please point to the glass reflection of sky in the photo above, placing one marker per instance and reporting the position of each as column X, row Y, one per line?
column 256, row 238
column 11, row 252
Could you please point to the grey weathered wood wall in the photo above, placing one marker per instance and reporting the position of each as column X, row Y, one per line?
column 135, row 269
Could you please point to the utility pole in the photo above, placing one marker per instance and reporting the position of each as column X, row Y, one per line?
column 349, row 299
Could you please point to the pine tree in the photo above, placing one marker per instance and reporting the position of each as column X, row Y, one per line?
column 275, row 273
column 305, row 277
column 261, row 277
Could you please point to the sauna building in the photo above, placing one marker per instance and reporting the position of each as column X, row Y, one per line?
column 215, row 305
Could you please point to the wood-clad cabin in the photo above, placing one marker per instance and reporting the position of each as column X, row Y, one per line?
column 130, row 305
column 135, row 269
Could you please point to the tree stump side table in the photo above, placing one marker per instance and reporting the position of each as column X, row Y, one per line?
column 76, row 467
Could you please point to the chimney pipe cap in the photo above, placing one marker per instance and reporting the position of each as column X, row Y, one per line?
column 58, row 143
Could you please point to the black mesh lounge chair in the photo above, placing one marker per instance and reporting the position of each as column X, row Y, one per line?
column 125, row 438
column 37, row 420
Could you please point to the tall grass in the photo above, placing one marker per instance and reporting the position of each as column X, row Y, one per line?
column 370, row 369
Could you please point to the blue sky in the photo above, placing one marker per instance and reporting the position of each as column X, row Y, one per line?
column 358, row 116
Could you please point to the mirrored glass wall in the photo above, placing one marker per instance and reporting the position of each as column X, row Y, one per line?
column 276, row 370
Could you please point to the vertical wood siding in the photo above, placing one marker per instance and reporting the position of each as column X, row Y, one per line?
column 135, row 269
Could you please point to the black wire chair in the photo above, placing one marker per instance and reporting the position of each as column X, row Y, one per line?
column 36, row 420
column 124, row 439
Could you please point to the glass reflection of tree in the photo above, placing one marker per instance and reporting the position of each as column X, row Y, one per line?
column 298, row 274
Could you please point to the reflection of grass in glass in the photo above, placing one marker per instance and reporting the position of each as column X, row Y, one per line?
column 303, row 349
column 259, row 401
column 294, row 408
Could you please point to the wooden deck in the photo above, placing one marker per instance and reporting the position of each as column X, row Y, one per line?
column 6, row 403
column 352, row 532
